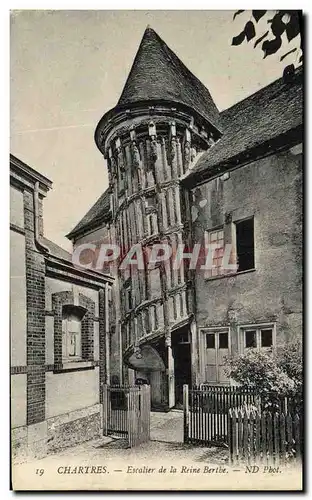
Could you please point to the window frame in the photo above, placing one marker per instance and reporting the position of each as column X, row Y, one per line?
column 209, row 272
column 122, row 179
column 239, row 221
column 258, row 327
column 63, row 303
column 151, row 223
column 68, row 334
column 153, row 206
column 127, row 290
column 233, row 225
column 69, row 314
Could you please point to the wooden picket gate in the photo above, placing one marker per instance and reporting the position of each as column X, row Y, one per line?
column 126, row 413
column 206, row 410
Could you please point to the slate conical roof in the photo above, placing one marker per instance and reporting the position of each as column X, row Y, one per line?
column 158, row 74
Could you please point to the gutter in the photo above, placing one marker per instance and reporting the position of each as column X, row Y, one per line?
column 39, row 244
column 270, row 147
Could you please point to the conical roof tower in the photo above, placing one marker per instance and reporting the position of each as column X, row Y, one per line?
column 165, row 118
column 158, row 77
column 158, row 74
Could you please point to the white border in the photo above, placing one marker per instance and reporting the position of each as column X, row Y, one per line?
column 117, row 4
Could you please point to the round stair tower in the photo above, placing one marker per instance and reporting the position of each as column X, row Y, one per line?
column 163, row 120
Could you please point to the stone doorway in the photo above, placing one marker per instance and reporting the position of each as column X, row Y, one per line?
column 181, row 348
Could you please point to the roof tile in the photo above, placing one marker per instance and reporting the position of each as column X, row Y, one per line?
column 269, row 113
column 97, row 212
column 158, row 74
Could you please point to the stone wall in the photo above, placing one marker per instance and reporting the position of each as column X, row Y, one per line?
column 55, row 433
column 73, row 428
column 269, row 190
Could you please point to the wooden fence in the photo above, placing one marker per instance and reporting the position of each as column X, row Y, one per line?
column 126, row 412
column 266, row 438
column 206, row 410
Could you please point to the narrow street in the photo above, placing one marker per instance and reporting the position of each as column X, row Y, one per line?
column 166, row 440
column 167, row 427
column 164, row 462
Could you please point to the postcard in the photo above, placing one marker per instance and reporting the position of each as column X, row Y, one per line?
column 156, row 250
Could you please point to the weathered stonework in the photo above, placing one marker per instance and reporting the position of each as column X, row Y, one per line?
column 73, row 428
column 55, row 434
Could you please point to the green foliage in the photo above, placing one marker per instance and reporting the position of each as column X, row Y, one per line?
column 283, row 22
column 274, row 376
column 289, row 359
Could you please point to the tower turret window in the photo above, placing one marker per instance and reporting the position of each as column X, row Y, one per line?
column 128, row 295
column 150, row 201
column 152, row 226
column 122, row 180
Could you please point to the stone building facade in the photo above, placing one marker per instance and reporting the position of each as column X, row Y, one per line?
column 181, row 173
column 59, row 329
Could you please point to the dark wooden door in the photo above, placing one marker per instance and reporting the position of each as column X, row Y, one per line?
column 182, row 369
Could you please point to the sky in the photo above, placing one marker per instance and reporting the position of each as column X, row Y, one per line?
column 69, row 67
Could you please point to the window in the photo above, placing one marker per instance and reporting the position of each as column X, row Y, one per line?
column 184, row 338
column 73, row 330
column 150, row 202
column 223, row 340
column 152, row 227
column 71, row 333
column 128, row 294
column 258, row 338
column 266, row 338
column 153, row 318
column 146, row 321
column 210, row 341
column 251, row 338
column 216, row 238
column 122, row 179
column 245, row 245
column 140, row 325
column 151, row 214
column 160, row 315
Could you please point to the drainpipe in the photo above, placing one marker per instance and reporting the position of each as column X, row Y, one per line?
column 107, row 342
column 39, row 244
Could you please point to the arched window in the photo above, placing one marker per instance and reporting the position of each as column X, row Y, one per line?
column 71, row 332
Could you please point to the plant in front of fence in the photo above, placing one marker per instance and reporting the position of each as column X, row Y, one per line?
column 289, row 358
column 261, row 371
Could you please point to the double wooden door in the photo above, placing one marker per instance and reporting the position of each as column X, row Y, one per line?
column 216, row 348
